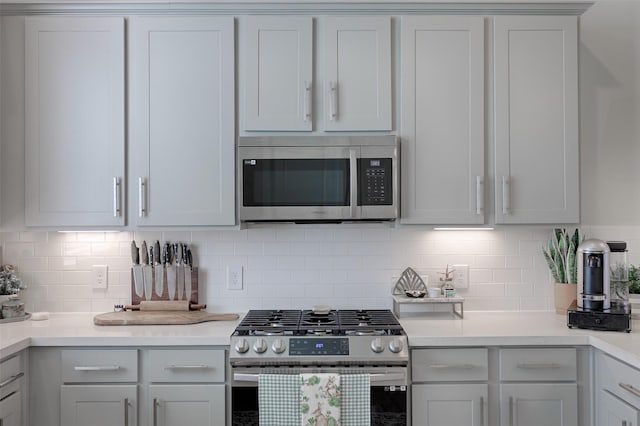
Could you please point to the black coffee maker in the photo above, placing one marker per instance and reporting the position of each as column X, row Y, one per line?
column 594, row 309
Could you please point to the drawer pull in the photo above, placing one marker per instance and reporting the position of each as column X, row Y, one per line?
column 482, row 411
column 629, row 388
column 539, row 365
column 96, row 367
column 510, row 411
column 126, row 412
column 11, row 380
column 187, row 367
column 452, row 366
column 156, row 403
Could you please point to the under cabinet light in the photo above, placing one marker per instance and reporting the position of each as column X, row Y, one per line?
column 462, row 229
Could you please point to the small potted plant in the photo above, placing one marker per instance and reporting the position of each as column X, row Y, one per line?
column 10, row 284
column 446, row 280
column 560, row 254
column 634, row 285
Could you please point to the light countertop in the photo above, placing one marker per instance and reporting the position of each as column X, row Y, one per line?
column 476, row 329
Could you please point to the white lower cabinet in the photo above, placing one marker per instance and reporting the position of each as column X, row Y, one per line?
column 444, row 405
column 171, row 405
column 127, row 386
column 612, row 411
column 538, row 404
column 98, row 405
column 532, row 386
column 617, row 387
column 12, row 395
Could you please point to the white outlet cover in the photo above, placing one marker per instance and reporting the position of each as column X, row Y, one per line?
column 100, row 276
column 461, row 276
column 234, row 277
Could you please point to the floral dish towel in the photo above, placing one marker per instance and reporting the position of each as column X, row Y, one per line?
column 320, row 399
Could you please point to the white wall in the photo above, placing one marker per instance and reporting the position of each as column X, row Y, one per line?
column 298, row 266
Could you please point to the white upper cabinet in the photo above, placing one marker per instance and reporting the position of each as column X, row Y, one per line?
column 357, row 73
column 278, row 73
column 182, row 120
column 442, row 124
column 74, row 123
column 536, row 119
column 354, row 67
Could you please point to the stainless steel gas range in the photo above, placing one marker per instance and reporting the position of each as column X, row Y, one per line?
column 332, row 341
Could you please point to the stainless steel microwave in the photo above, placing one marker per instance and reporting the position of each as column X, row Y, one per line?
column 318, row 178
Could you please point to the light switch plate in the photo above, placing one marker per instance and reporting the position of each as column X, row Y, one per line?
column 99, row 276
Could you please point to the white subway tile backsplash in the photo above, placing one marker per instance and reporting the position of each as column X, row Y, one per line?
column 298, row 266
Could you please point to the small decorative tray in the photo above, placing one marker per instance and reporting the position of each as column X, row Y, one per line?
column 26, row 316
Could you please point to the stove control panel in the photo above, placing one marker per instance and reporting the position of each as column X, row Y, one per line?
column 319, row 346
column 340, row 348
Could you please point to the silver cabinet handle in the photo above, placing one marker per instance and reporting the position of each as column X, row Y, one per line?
column 506, row 195
column 156, row 403
column 452, row 366
column 353, row 179
column 624, row 423
column 126, row 412
column 510, row 411
column 479, row 195
column 10, row 380
column 539, row 365
column 333, row 100
column 482, row 411
column 142, row 189
column 629, row 388
column 116, row 196
column 187, row 367
column 307, row 100
column 96, row 367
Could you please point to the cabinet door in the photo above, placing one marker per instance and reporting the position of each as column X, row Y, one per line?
column 103, row 405
column 11, row 409
column 278, row 73
column 357, row 73
column 202, row 405
column 612, row 411
column 182, row 119
column 442, row 120
column 74, row 129
column 536, row 119
column 536, row 404
column 444, row 405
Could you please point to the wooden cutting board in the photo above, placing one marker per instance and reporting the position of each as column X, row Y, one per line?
column 159, row 317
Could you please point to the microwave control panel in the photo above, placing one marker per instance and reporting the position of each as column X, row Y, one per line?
column 375, row 182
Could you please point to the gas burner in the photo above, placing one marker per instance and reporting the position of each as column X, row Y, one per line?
column 274, row 332
column 318, row 332
column 365, row 333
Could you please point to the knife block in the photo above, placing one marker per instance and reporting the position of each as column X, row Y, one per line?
column 193, row 297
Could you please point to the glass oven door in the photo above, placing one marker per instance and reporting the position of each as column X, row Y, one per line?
column 389, row 396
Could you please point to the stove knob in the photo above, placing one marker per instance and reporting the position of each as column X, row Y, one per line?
column 395, row 346
column 242, row 346
column 279, row 346
column 376, row 345
column 260, row 346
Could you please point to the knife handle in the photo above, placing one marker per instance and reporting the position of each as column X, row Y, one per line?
column 177, row 252
column 189, row 259
column 151, row 254
column 185, row 257
column 167, row 253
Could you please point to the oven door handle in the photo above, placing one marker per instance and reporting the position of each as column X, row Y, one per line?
column 374, row 377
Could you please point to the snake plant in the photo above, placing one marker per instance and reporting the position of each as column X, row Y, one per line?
column 560, row 255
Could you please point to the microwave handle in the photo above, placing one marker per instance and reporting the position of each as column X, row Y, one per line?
column 353, row 178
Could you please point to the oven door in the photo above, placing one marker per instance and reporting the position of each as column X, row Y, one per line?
column 389, row 392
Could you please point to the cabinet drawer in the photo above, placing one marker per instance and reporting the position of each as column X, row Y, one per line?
column 98, row 366
column 538, row 364
column 618, row 378
column 450, row 365
column 10, row 376
column 187, row 365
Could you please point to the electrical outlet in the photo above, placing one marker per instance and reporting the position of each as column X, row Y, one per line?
column 461, row 276
column 99, row 276
column 234, row 277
